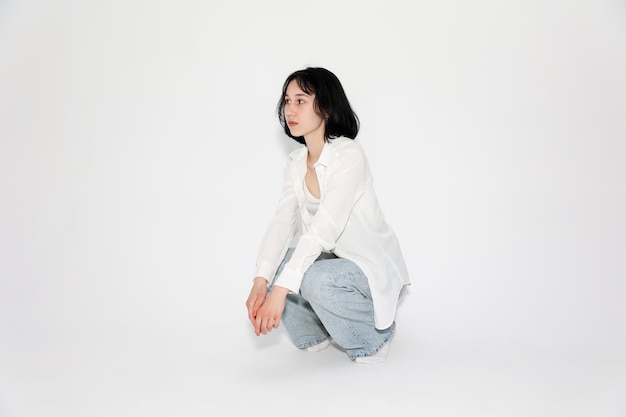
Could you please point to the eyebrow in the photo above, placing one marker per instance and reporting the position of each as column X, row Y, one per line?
column 299, row 94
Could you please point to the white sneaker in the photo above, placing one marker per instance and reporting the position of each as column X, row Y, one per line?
column 320, row 346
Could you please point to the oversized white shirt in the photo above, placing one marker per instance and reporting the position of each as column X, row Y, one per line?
column 348, row 222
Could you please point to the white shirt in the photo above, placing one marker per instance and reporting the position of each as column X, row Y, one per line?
column 348, row 222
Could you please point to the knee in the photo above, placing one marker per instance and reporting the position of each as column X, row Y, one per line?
column 315, row 289
column 324, row 278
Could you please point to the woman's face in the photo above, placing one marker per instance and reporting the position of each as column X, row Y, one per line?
column 300, row 113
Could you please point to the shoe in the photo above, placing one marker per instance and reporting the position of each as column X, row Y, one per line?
column 320, row 346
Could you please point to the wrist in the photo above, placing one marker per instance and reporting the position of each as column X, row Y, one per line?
column 260, row 281
column 282, row 291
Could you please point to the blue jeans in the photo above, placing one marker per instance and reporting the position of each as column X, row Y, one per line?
column 334, row 300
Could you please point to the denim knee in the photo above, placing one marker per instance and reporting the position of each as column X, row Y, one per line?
column 334, row 277
column 314, row 289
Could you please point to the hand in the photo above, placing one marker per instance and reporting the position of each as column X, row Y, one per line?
column 268, row 315
column 256, row 297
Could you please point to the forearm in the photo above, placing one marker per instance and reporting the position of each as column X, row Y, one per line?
column 280, row 292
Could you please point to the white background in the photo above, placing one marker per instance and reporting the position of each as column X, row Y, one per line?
column 141, row 159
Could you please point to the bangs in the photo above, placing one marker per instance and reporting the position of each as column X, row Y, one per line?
column 305, row 84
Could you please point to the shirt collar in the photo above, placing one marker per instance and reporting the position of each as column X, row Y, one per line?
column 324, row 158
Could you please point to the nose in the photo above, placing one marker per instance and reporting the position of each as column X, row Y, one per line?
column 289, row 110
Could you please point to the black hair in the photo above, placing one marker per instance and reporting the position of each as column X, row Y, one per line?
column 330, row 102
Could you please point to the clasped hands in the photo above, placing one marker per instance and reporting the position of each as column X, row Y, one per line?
column 265, row 311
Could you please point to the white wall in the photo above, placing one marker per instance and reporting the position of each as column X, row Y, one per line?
column 140, row 160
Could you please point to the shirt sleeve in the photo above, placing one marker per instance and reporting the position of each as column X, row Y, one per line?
column 344, row 187
column 280, row 231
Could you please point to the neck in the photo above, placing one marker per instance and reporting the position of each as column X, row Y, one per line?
column 314, row 146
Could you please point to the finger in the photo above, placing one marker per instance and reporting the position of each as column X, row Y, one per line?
column 273, row 324
column 252, row 314
column 268, row 325
column 253, row 309
column 256, row 305
column 257, row 325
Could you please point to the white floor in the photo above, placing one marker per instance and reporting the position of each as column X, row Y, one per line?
column 140, row 160
column 152, row 373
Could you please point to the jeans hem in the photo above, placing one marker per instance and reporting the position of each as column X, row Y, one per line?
column 375, row 351
column 309, row 344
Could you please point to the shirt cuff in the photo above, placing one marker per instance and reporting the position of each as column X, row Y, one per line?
column 290, row 279
column 266, row 270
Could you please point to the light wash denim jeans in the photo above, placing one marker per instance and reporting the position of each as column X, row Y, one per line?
column 334, row 300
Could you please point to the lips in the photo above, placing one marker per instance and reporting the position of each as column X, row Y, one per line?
column 292, row 124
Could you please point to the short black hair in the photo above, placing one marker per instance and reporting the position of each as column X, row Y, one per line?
column 330, row 100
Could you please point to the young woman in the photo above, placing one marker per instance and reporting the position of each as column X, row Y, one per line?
column 330, row 266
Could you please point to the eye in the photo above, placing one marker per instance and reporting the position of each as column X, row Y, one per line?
column 287, row 101
column 300, row 101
